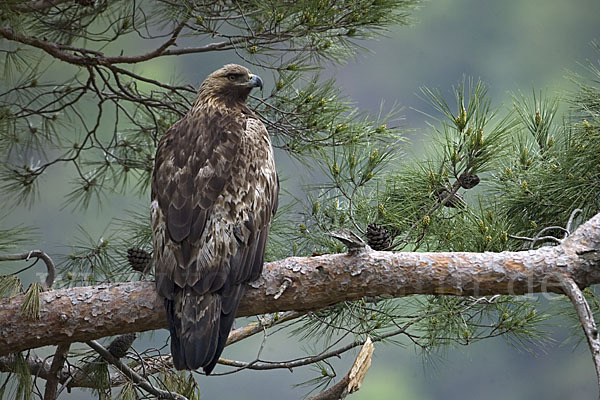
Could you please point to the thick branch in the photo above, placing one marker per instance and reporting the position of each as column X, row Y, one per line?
column 85, row 313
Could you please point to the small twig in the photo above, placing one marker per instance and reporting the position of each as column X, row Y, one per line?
column 255, row 327
column 60, row 356
column 284, row 285
column 570, row 222
column 542, row 239
column 37, row 254
column 350, row 239
column 131, row 374
column 353, row 380
column 264, row 365
column 38, row 5
column 586, row 318
column 539, row 238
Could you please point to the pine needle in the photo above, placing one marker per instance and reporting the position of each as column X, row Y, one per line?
column 10, row 285
column 182, row 383
column 24, row 381
column 31, row 302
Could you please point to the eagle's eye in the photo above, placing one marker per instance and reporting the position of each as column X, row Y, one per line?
column 231, row 77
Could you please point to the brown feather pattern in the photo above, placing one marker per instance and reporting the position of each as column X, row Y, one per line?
column 214, row 191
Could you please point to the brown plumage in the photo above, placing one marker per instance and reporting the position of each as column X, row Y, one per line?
column 214, row 191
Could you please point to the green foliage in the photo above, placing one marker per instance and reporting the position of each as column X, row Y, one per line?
column 90, row 261
column 420, row 202
column 23, row 387
column 324, row 375
column 526, row 145
column 464, row 321
column 478, row 230
column 119, row 115
column 31, row 301
column 10, row 285
column 13, row 237
column 181, row 382
column 547, row 176
column 128, row 392
column 96, row 369
column 471, row 138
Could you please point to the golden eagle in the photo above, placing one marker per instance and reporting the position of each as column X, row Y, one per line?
column 214, row 191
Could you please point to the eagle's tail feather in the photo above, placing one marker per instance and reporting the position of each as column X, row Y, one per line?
column 200, row 325
column 177, row 355
column 230, row 302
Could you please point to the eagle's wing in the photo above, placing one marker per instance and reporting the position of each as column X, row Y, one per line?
column 214, row 191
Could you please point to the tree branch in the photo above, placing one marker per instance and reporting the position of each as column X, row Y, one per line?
column 37, row 5
column 254, row 327
column 66, row 53
column 131, row 374
column 56, row 368
column 586, row 317
column 352, row 381
column 300, row 362
column 85, row 313
column 39, row 254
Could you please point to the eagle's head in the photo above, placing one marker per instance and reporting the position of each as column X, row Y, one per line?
column 229, row 85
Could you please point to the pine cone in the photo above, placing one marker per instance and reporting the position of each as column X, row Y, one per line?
column 468, row 181
column 378, row 237
column 119, row 346
column 456, row 201
column 139, row 259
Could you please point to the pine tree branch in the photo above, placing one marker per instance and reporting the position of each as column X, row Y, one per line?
column 42, row 368
column 131, row 374
column 36, row 5
column 586, row 318
column 54, row 374
column 86, row 57
column 254, row 327
column 352, row 381
column 39, row 254
column 300, row 362
column 85, row 313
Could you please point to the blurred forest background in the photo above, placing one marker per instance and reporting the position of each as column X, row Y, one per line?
column 512, row 45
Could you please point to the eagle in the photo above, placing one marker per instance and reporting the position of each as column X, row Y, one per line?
column 214, row 192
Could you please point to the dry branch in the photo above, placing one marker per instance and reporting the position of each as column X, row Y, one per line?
column 86, row 313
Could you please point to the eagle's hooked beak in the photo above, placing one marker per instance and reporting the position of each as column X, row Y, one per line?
column 255, row 81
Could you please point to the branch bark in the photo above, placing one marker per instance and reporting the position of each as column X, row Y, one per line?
column 85, row 313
